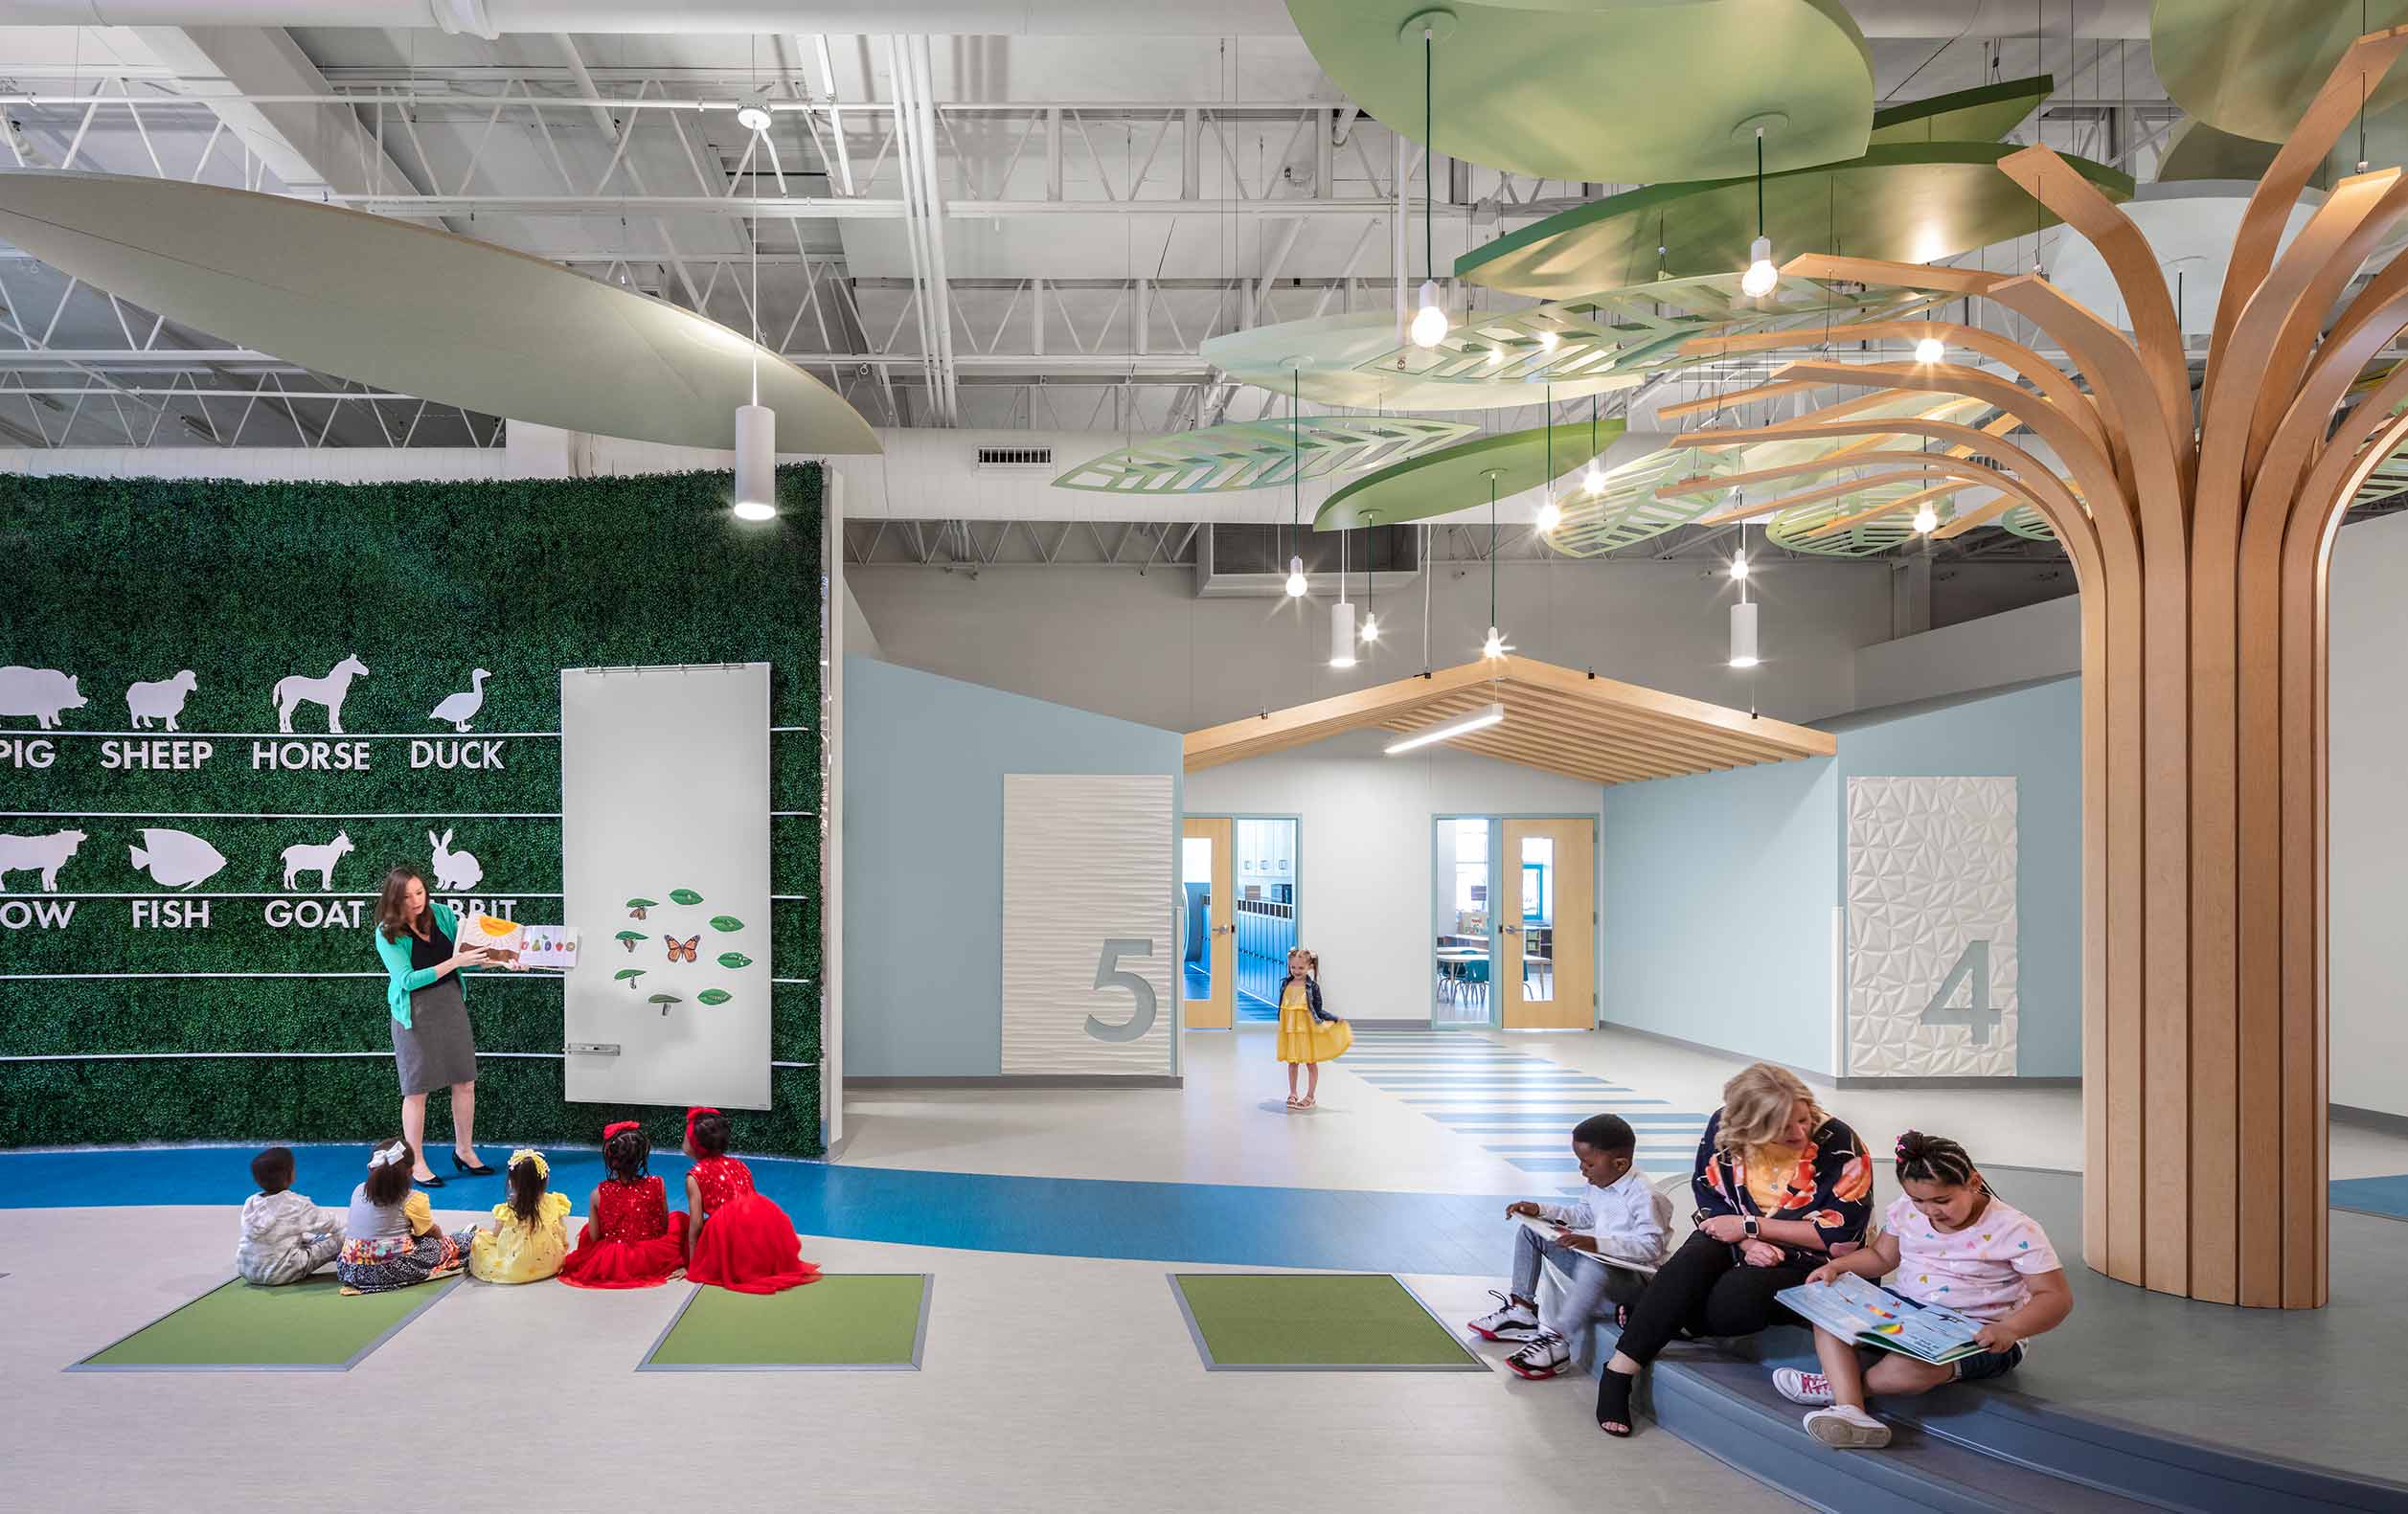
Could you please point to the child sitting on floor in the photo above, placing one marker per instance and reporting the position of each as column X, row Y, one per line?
column 1954, row 1243
column 393, row 1241
column 528, row 1236
column 1617, row 1219
column 286, row 1237
column 632, row 1238
column 747, row 1244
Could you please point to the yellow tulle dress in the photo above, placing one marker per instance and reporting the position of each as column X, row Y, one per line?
column 513, row 1250
column 1303, row 1038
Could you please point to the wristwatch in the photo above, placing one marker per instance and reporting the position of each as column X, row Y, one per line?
column 1750, row 1222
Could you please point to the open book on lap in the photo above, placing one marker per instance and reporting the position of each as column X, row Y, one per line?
column 1855, row 1309
column 1552, row 1231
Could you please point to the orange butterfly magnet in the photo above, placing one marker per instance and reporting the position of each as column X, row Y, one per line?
column 681, row 951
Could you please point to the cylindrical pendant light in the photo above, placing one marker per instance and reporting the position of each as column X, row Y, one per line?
column 755, row 463
column 1743, row 635
column 1342, row 634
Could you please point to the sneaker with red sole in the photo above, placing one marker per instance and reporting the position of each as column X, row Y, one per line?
column 1549, row 1355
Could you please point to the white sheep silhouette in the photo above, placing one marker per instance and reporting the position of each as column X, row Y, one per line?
column 454, row 870
column 163, row 700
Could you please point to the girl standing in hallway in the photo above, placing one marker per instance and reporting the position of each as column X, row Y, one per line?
column 1308, row 1034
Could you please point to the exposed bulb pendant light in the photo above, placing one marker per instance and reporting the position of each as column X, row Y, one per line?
column 1495, row 645
column 1926, row 520
column 1930, row 349
column 1429, row 323
column 1761, row 276
column 1549, row 513
column 756, row 495
column 1295, row 484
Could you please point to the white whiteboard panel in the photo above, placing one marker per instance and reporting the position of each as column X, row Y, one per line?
column 1087, row 937
column 1931, row 927
column 664, row 788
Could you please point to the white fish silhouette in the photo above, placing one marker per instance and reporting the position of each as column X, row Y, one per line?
column 177, row 859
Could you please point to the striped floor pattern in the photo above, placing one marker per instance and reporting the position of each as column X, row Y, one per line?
column 1515, row 1103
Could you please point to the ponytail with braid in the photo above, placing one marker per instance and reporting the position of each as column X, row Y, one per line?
column 1935, row 1158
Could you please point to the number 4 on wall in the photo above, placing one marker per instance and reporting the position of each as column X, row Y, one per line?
column 1108, row 974
column 1976, row 1015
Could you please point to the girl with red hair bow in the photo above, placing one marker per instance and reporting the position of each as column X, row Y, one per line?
column 739, row 1239
column 632, row 1238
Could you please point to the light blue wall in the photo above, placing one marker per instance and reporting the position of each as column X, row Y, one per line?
column 2032, row 734
column 924, row 763
column 1717, row 908
column 1719, row 888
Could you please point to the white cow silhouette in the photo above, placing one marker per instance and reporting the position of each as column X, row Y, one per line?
column 297, row 691
column 46, row 854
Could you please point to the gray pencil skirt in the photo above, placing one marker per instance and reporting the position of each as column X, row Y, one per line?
column 438, row 1049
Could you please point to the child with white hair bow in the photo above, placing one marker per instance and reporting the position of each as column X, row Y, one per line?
column 391, row 1239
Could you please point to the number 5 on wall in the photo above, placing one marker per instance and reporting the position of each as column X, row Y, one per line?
column 1108, row 973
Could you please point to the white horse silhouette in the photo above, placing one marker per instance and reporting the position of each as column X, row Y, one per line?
column 294, row 691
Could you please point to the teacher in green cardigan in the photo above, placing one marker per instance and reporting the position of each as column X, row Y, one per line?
column 433, row 1046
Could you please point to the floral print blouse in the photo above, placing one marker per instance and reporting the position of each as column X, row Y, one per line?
column 1830, row 1188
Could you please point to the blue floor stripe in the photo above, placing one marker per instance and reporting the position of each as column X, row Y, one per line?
column 1545, row 1165
column 2386, row 1196
column 1641, row 1120
column 1237, row 1225
column 1601, row 1104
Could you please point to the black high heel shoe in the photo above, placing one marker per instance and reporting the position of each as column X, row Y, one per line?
column 477, row 1171
column 427, row 1181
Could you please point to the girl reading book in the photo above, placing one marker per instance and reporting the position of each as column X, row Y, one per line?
column 1955, row 1243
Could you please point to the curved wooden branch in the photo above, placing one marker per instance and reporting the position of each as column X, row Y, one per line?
column 2025, row 363
column 2260, row 231
column 2157, row 332
column 2303, row 428
column 2300, row 334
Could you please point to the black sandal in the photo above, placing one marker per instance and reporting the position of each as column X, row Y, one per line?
column 1613, row 1402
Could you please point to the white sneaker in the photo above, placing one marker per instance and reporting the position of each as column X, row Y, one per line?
column 1550, row 1355
column 1811, row 1388
column 1514, row 1321
column 1846, row 1428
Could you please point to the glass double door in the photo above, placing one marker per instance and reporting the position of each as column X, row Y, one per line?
column 1515, row 927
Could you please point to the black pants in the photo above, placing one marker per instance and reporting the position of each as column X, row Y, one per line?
column 1706, row 1290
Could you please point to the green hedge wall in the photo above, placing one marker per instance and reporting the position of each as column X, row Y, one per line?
column 244, row 584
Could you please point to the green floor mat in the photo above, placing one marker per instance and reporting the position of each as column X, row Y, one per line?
column 307, row 1327
column 845, row 1322
column 1292, row 1323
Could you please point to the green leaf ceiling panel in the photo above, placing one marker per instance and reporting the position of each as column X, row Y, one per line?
column 1608, row 340
column 1796, row 528
column 1965, row 115
column 1348, row 361
column 1910, row 202
column 2250, row 67
column 2027, row 521
column 1256, row 454
column 1457, row 477
column 1638, row 329
column 1607, row 90
column 1626, row 509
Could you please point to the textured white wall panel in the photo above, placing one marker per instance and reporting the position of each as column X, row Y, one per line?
column 1086, row 861
column 1931, row 873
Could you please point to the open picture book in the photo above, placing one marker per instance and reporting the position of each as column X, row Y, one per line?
column 531, row 945
column 1550, row 1230
column 1856, row 1309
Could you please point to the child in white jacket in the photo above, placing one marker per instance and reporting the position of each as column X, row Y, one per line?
column 1617, row 1219
column 285, row 1236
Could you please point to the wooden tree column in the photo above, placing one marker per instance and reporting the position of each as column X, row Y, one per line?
column 2201, row 527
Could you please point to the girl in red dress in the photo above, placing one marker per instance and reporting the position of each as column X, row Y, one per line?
column 747, row 1244
column 632, row 1238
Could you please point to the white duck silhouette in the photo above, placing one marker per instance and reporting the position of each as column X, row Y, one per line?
column 462, row 708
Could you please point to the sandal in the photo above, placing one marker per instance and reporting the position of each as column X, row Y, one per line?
column 1613, row 1402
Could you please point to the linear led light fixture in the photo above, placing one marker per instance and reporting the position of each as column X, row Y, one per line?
column 1477, row 720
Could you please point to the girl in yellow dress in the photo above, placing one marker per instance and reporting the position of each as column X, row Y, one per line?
column 529, row 1233
column 1307, row 1033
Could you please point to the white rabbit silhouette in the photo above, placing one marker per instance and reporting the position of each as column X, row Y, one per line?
column 454, row 870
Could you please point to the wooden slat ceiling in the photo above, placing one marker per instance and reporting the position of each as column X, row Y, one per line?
column 1556, row 719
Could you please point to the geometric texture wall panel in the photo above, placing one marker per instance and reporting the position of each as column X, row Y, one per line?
column 1931, row 927
column 1087, row 924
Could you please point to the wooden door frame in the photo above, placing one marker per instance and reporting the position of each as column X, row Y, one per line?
column 1597, row 923
column 1232, row 816
column 1597, row 893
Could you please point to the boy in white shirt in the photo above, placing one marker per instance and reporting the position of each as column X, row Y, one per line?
column 1618, row 1218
